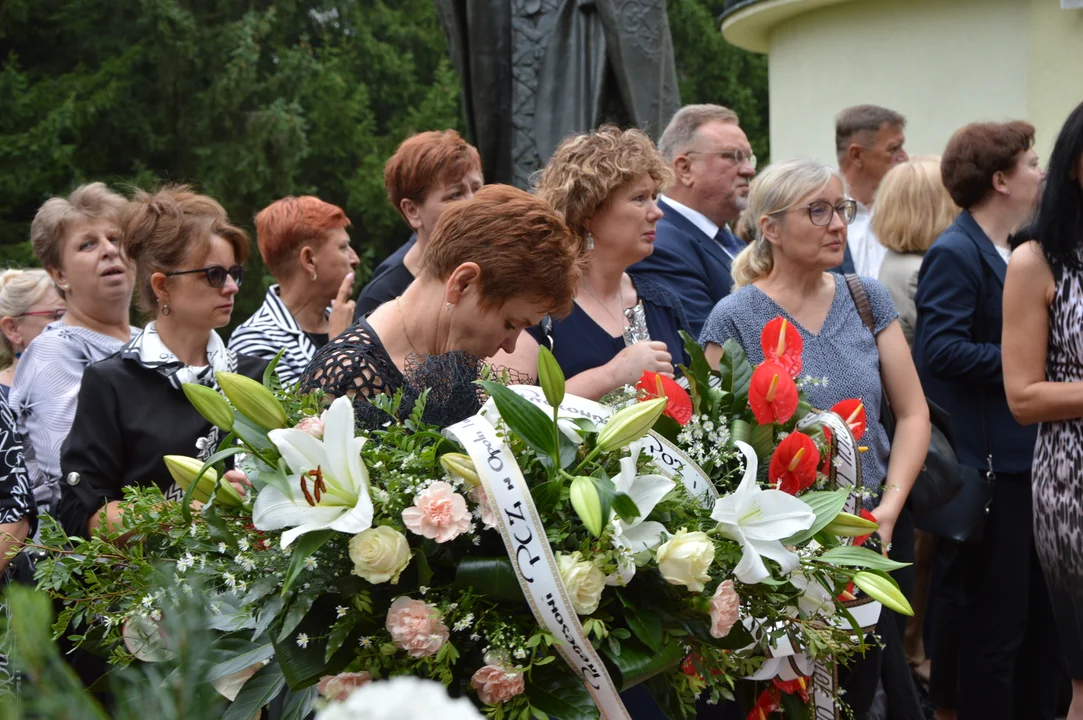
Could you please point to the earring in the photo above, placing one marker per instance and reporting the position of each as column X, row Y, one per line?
column 166, row 310
column 314, row 277
column 589, row 242
column 449, row 307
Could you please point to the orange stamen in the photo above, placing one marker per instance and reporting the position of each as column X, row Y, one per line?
column 770, row 397
column 854, row 415
column 782, row 338
column 796, row 459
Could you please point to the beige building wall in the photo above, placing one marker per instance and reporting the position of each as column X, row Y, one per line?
column 942, row 63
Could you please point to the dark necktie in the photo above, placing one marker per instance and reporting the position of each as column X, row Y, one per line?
column 728, row 241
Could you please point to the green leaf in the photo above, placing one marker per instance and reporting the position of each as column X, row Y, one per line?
column 625, row 507
column 523, row 418
column 638, row 663
column 304, row 666
column 236, row 654
column 339, row 633
column 740, row 430
column 546, row 495
column 297, row 612
column 251, row 434
column 550, row 377
column 274, row 478
column 260, row 689
column 491, row 577
column 269, row 371
column 699, row 374
column 267, row 614
column 826, row 504
column 421, row 564
column 862, row 557
column 299, row 704
column 879, row 586
column 793, row 708
column 647, row 627
column 763, row 442
column 561, row 695
column 302, row 549
column 736, row 372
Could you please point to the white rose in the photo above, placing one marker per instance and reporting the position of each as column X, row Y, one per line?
column 584, row 581
column 379, row 554
column 685, row 559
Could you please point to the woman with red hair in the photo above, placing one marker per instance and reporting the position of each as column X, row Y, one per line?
column 303, row 242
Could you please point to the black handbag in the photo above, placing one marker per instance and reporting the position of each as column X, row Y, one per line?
column 948, row 499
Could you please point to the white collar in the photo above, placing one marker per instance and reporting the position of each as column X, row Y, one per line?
column 697, row 218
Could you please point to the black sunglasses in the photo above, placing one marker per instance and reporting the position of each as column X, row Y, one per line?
column 215, row 274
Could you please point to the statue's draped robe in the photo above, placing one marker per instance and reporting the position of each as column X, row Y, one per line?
column 535, row 71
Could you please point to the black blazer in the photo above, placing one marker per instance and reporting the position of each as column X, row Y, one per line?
column 128, row 417
column 957, row 346
column 690, row 263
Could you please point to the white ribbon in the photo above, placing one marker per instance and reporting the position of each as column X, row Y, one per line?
column 667, row 456
column 866, row 611
column 532, row 558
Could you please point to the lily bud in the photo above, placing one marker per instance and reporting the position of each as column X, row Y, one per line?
column 550, row 377
column 630, row 424
column 210, row 405
column 185, row 469
column 847, row 525
column 252, row 400
column 881, row 588
column 587, row 504
column 460, row 465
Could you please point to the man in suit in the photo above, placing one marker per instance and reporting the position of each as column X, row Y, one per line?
column 712, row 164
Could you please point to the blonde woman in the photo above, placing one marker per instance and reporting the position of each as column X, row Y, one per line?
column 28, row 302
column 802, row 211
column 912, row 209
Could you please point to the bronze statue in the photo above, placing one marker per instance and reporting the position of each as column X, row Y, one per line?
column 536, row 71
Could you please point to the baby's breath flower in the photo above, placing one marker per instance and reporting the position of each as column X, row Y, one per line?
column 302, row 640
column 340, row 611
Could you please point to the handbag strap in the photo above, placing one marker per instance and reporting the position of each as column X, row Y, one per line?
column 864, row 309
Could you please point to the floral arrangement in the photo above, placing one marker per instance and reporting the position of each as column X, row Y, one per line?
column 412, row 550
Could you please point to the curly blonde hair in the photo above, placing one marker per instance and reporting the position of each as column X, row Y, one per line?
column 587, row 169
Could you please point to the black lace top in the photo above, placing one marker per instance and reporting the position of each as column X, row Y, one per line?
column 356, row 364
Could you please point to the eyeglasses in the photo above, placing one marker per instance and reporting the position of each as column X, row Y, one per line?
column 737, row 157
column 216, row 274
column 821, row 212
column 55, row 313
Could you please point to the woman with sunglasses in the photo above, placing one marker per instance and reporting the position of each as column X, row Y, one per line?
column 801, row 211
column 28, row 302
column 74, row 239
column 132, row 411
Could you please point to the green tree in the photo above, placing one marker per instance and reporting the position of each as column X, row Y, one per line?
column 251, row 100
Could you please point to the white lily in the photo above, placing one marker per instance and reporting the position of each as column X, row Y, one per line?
column 758, row 519
column 815, row 598
column 343, row 502
column 646, row 492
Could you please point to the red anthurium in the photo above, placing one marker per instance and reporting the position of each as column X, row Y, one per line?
column 767, row 703
column 688, row 667
column 772, row 394
column 860, row 539
column 797, row 686
column 793, row 466
column 825, row 466
column 678, row 402
column 782, row 343
column 853, row 412
column 848, row 594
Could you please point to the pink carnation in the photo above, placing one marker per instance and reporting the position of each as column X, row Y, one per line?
column 416, row 627
column 439, row 513
column 312, row 425
column 338, row 687
column 725, row 608
column 495, row 685
column 478, row 495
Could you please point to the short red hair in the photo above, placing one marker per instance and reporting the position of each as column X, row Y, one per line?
column 426, row 160
column 286, row 225
column 520, row 243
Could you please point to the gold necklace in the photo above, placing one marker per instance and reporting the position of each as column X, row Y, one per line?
column 402, row 317
column 620, row 299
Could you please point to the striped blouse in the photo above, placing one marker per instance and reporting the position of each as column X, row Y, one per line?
column 44, row 395
column 269, row 330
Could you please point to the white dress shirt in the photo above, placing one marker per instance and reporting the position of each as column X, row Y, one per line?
column 865, row 249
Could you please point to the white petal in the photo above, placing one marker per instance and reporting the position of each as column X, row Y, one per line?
column 338, row 434
column 775, row 515
column 643, row 536
column 358, row 471
column 725, row 510
column 627, row 474
column 301, row 451
column 358, row 518
column 751, row 569
column 773, row 549
column 748, row 481
column 316, row 524
column 273, row 510
column 648, row 490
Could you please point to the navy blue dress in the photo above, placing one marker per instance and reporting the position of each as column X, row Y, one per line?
column 579, row 343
